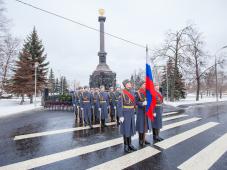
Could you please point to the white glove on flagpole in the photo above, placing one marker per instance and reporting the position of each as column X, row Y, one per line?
column 100, row 109
column 154, row 114
column 121, row 120
column 145, row 103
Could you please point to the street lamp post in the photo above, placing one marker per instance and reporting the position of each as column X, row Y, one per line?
column 36, row 66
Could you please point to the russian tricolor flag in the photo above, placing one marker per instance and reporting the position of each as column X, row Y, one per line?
column 150, row 91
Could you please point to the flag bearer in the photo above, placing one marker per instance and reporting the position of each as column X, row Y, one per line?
column 143, row 124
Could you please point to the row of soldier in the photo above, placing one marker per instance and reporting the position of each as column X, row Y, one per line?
column 122, row 106
column 96, row 105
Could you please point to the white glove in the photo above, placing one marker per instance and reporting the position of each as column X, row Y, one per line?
column 115, row 107
column 144, row 103
column 74, row 105
column 154, row 114
column 100, row 109
column 121, row 120
column 82, row 109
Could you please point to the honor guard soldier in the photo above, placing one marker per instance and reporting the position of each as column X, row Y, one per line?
column 127, row 116
column 96, row 105
column 92, row 106
column 112, row 99
column 79, row 93
column 103, row 104
column 157, row 124
column 75, row 101
column 85, row 104
column 117, row 97
column 143, row 124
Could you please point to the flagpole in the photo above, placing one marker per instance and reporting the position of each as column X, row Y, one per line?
column 146, row 54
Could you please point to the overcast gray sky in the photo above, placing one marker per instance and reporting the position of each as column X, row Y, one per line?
column 72, row 50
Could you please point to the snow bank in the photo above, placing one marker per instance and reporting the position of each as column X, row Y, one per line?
column 191, row 100
column 12, row 106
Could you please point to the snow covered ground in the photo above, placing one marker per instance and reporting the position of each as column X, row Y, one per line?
column 12, row 106
column 191, row 100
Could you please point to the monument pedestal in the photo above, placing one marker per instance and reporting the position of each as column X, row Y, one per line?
column 103, row 74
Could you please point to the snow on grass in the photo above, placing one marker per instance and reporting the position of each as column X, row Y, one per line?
column 12, row 106
column 190, row 99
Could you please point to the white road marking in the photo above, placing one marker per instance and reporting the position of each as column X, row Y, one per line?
column 48, row 159
column 173, row 125
column 208, row 156
column 169, row 113
column 128, row 159
column 174, row 117
column 167, row 143
column 53, row 132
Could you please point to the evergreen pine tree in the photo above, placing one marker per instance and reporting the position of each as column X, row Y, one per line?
column 23, row 81
column 51, row 82
column 57, row 86
column 179, row 83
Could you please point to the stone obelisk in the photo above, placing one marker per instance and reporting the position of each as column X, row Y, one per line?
column 103, row 74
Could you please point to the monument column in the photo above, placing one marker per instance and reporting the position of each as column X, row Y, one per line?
column 102, row 75
column 102, row 54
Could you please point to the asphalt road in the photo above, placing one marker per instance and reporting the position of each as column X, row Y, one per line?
column 195, row 138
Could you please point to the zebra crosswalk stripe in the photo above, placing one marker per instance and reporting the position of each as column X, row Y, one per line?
column 208, row 156
column 180, row 123
column 127, row 160
column 54, row 132
column 174, row 117
column 167, row 143
column 48, row 159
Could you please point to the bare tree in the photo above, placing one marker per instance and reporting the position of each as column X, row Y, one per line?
column 196, row 59
column 175, row 47
column 8, row 52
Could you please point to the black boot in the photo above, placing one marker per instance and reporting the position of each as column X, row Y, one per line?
column 131, row 147
column 103, row 123
column 141, row 140
column 155, row 139
column 158, row 137
column 118, row 123
column 126, row 147
column 112, row 119
column 90, row 124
